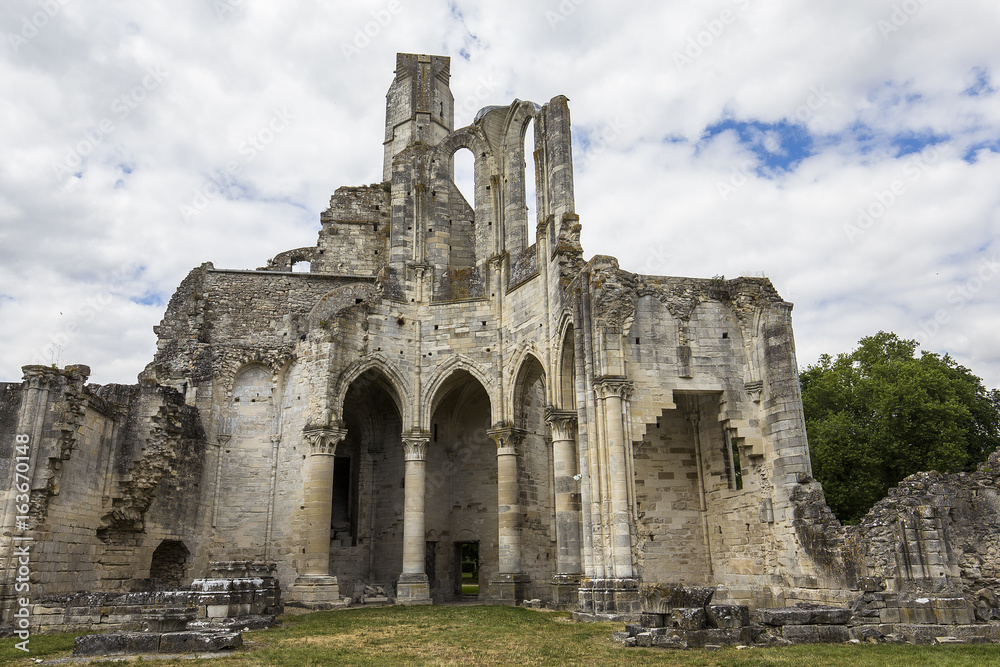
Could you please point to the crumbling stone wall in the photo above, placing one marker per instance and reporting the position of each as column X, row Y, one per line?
column 937, row 534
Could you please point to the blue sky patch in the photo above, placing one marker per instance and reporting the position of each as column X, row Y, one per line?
column 992, row 146
column 148, row 299
column 981, row 83
column 914, row 142
column 778, row 147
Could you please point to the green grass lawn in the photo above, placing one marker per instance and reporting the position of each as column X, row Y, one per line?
column 470, row 584
column 484, row 635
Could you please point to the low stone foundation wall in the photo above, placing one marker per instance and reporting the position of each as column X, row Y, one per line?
column 675, row 616
column 207, row 599
column 609, row 600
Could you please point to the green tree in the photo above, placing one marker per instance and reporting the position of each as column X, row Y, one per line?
column 880, row 413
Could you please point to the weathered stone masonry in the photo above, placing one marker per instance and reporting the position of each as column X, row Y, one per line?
column 435, row 388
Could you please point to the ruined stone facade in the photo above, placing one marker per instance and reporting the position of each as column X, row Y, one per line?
column 438, row 388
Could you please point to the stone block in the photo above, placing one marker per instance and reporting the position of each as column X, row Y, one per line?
column 688, row 618
column 217, row 610
column 727, row 615
column 644, row 639
column 670, row 641
column 652, row 620
column 116, row 643
column 816, row 634
column 889, row 615
column 718, row 637
column 193, row 642
column 804, row 616
column 867, row 633
column 662, row 598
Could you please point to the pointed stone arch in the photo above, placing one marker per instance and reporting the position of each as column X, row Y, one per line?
column 530, row 371
column 443, row 373
column 521, row 355
column 400, row 387
column 237, row 360
column 563, row 389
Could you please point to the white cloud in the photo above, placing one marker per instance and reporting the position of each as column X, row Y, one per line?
column 230, row 65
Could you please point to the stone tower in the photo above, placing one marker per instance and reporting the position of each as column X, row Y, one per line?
column 419, row 105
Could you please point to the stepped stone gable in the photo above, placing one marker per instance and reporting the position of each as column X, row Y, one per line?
column 452, row 402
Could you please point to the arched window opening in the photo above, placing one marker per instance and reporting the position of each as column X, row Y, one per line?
column 301, row 266
column 464, row 175
column 529, row 180
column 567, row 372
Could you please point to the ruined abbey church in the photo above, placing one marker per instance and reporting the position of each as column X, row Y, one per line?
column 438, row 395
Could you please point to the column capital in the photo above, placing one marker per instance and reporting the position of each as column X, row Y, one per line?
column 606, row 386
column 562, row 423
column 506, row 437
column 323, row 441
column 415, row 445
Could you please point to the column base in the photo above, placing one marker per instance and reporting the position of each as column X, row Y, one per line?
column 614, row 600
column 316, row 592
column 509, row 589
column 566, row 591
column 413, row 589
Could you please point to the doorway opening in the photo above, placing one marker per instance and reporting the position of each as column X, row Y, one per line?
column 467, row 557
column 342, row 515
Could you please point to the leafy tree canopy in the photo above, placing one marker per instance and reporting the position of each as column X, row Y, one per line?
column 880, row 413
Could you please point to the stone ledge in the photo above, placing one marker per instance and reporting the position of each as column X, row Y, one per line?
column 130, row 643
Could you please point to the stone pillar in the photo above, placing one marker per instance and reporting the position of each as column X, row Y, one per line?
column 616, row 596
column 612, row 392
column 510, row 584
column 315, row 587
column 566, row 583
column 413, row 586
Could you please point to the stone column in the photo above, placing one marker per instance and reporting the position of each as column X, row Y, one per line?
column 509, row 585
column 618, row 595
column 315, row 587
column 566, row 582
column 413, row 586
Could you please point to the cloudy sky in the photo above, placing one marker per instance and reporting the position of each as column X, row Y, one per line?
column 849, row 150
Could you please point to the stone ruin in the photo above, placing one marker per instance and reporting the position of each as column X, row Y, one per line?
column 451, row 403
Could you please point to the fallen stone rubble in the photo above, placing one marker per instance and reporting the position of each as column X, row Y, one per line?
column 675, row 616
